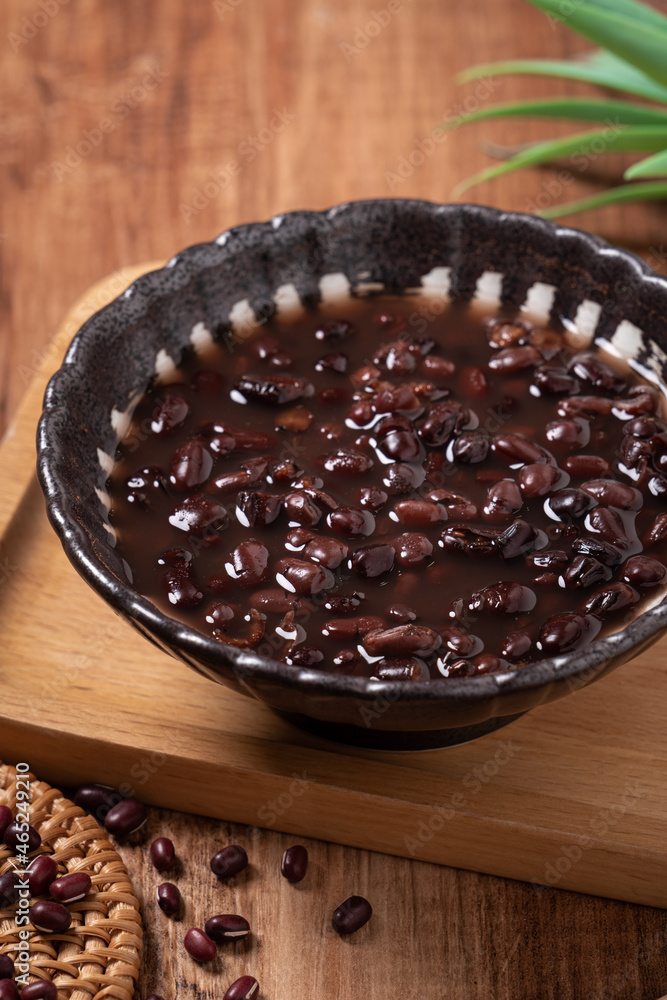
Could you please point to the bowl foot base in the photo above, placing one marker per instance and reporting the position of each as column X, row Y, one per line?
column 385, row 739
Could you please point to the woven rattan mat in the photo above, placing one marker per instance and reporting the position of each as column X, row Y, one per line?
column 99, row 955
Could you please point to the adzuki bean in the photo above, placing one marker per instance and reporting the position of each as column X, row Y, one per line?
column 199, row 945
column 126, row 817
column 43, row 989
column 169, row 898
column 17, row 835
column 41, row 872
column 163, row 853
column 50, row 917
column 229, row 861
column 351, row 915
column 294, row 864
column 8, row 990
column 70, row 888
column 227, row 927
column 245, row 988
column 348, row 495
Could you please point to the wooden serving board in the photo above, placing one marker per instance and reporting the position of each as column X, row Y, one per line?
column 572, row 795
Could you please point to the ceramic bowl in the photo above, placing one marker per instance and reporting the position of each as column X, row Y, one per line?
column 463, row 252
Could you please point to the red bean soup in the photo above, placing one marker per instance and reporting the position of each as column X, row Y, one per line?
column 378, row 494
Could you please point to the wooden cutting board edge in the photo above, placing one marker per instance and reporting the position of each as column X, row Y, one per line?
column 585, row 868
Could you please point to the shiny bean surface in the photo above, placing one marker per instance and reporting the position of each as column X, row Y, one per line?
column 348, row 494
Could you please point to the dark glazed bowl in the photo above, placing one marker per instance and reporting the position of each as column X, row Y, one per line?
column 465, row 252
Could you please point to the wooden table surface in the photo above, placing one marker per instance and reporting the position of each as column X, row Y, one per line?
column 131, row 129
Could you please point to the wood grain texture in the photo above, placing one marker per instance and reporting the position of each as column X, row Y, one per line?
column 570, row 796
column 162, row 177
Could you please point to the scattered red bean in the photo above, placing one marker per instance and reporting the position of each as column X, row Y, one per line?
column 199, row 945
column 169, row 898
column 294, row 864
column 8, row 990
column 163, row 853
column 126, row 817
column 70, row 888
column 351, row 915
column 16, row 834
column 43, row 989
column 227, row 927
column 50, row 917
column 245, row 988
column 229, row 861
column 40, row 873
column 6, row 967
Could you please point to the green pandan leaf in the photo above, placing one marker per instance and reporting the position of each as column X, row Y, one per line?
column 572, row 108
column 625, row 138
column 652, row 166
column 651, row 191
column 640, row 44
column 599, row 68
column 632, row 9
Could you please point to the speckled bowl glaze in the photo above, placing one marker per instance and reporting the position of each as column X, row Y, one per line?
column 462, row 252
